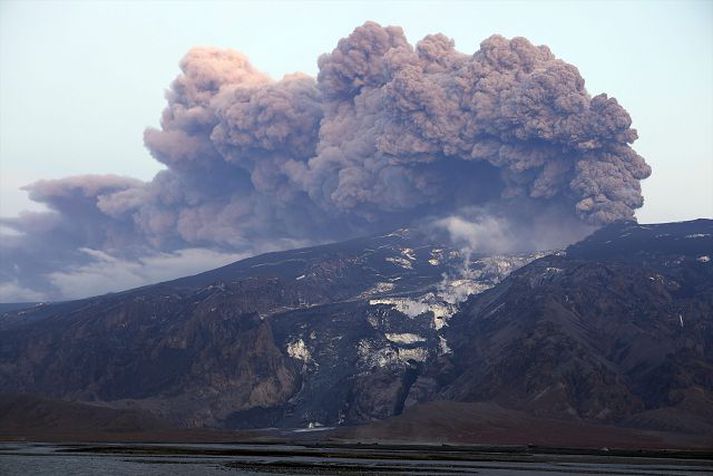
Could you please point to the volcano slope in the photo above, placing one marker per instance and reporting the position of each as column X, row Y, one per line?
column 614, row 330
column 328, row 334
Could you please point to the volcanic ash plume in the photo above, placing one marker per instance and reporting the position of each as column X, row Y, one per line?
column 387, row 134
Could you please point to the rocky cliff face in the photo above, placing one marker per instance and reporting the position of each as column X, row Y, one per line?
column 615, row 329
column 619, row 328
column 325, row 335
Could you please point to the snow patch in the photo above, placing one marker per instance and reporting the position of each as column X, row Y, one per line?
column 398, row 261
column 276, row 263
column 401, row 233
column 408, row 253
column 436, row 257
column 298, row 350
column 379, row 288
column 458, row 290
column 418, row 354
column 443, row 346
column 372, row 357
column 474, row 278
column 405, row 338
column 410, row 307
column 429, row 302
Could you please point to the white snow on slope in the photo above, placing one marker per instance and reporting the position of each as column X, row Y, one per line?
column 398, row 261
column 378, row 288
column 480, row 275
column 371, row 356
column 443, row 346
column 405, row 338
column 298, row 350
column 408, row 253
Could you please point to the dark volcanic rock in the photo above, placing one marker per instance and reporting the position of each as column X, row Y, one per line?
column 227, row 346
column 617, row 329
column 621, row 324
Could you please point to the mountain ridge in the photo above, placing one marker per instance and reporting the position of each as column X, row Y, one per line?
column 360, row 331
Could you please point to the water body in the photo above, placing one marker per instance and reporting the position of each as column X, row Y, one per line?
column 208, row 459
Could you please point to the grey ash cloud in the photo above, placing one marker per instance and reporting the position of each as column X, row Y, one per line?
column 387, row 134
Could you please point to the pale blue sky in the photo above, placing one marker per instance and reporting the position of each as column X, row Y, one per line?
column 79, row 81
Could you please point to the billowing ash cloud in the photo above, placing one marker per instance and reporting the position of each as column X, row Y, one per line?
column 387, row 134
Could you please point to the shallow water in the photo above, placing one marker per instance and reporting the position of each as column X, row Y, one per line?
column 54, row 459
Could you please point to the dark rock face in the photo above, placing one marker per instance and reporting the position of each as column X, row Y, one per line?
column 617, row 329
column 140, row 350
column 619, row 325
column 241, row 345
